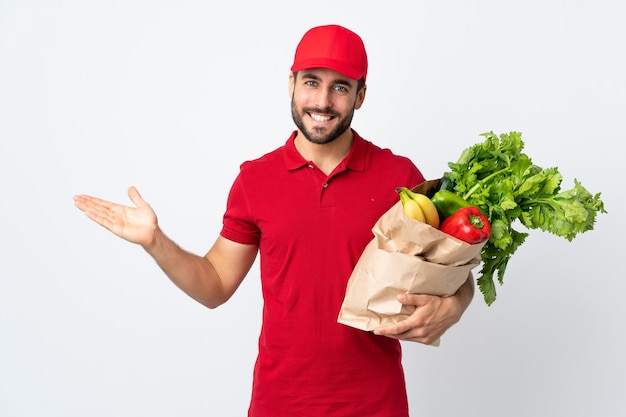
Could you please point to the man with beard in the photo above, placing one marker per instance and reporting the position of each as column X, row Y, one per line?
column 307, row 208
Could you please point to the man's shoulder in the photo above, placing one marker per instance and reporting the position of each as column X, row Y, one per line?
column 379, row 152
column 265, row 161
column 267, row 158
column 382, row 159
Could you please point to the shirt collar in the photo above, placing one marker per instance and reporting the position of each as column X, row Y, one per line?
column 355, row 160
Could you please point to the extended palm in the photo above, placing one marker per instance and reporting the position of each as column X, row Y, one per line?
column 136, row 224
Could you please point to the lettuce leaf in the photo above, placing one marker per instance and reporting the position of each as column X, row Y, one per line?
column 496, row 176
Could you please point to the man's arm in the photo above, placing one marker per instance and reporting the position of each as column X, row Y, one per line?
column 211, row 280
column 432, row 317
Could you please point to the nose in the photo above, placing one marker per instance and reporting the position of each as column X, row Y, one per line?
column 323, row 98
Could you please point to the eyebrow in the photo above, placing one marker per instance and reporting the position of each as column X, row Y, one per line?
column 340, row 81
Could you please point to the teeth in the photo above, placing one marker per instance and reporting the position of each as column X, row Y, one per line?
column 320, row 118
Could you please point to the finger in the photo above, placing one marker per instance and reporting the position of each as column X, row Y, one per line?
column 411, row 334
column 84, row 201
column 79, row 202
column 412, row 299
column 96, row 209
column 395, row 329
column 135, row 197
column 102, row 216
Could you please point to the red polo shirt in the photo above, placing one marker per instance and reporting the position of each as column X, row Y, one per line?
column 311, row 229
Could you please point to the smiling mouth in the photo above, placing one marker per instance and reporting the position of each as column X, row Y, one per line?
column 319, row 117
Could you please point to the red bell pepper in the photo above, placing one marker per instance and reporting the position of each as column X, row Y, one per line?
column 467, row 224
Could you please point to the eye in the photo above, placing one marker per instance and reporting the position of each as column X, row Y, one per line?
column 341, row 88
column 310, row 83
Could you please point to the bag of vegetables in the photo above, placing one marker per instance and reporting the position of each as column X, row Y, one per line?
column 490, row 189
column 409, row 254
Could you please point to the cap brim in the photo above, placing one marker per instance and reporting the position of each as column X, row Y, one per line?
column 328, row 63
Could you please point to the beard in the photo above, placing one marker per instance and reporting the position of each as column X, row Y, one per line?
column 319, row 135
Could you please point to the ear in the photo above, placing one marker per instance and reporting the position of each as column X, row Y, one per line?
column 292, row 84
column 360, row 97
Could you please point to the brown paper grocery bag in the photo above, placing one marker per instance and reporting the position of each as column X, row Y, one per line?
column 405, row 255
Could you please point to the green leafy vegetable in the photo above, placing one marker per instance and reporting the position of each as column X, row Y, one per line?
column 503, row 182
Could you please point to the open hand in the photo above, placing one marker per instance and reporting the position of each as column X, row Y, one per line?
column 136, row 224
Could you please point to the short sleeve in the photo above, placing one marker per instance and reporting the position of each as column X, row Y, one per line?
column 238, row 223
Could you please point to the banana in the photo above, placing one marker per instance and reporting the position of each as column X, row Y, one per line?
column 411, row 207
column 428, row 208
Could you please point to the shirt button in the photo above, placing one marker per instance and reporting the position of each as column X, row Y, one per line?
column 325, row 184
column 310, row 166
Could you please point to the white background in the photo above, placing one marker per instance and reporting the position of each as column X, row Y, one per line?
column 171, row 96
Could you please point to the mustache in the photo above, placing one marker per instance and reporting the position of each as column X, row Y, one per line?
column 326, row 110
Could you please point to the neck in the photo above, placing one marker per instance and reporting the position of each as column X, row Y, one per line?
column 325, row 156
